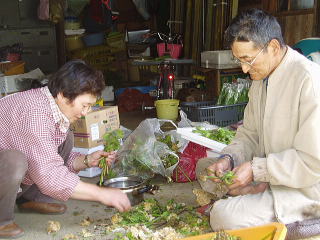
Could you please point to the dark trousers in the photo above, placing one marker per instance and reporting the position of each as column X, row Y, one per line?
column 13, row 168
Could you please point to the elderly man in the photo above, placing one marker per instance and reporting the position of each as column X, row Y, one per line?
column 275, row 154
column 36, row 162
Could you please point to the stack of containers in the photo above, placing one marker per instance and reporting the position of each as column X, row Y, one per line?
column 73, row 34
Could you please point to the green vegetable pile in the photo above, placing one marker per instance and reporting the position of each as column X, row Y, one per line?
column 222, row 135
column 151, row 214
column 112, row 143
column 169, row 160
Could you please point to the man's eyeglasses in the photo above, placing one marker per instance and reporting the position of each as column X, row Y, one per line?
column 250, row 64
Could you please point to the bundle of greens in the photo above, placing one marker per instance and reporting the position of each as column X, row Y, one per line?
column 111, row 143
column 222, row 135
column 226, row 178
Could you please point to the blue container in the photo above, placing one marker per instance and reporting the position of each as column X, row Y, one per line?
column 94, row 39
column 142, row 89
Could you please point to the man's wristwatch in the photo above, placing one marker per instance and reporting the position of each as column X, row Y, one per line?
column 230, row 158
column 86, row 161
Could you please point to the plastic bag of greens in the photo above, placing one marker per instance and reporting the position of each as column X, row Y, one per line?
column 223, row 94
column 233, row 93
column 148, row 151
column 243, row 89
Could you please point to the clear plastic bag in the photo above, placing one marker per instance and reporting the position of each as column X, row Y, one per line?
column 142, row 153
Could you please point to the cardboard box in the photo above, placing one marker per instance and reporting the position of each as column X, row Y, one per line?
column 89, row 130
column 93, row 171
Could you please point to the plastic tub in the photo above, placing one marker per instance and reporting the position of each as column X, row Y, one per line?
column 94, row 39
column 218, row 115
column 272, row 231
column 167, row 109
column 74, row 42
column 174, row 49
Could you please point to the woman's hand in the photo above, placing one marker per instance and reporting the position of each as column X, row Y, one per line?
column 114, row 197
column 95, row 157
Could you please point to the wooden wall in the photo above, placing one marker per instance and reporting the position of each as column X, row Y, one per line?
column 296, row 25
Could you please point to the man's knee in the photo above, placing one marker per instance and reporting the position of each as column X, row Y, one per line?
column 13, row 163
column 222, row 219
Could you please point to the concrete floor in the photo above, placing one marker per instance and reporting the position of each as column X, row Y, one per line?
column 35, row 224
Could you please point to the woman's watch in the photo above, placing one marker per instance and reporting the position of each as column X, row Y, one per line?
column 86, row 161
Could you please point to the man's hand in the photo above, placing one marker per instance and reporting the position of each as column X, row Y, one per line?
column 244, row 176
column 242, row 183
column 250, row 189
column 219, row 167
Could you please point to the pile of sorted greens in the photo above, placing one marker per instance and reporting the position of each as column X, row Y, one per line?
column 111, row 143
column 150, row 217
column 222, row 135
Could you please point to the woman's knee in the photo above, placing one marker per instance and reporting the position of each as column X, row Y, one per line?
column 13, row 163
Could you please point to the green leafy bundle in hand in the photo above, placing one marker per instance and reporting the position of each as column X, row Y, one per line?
column 226, row 178
column 112, row 143
column 112, row 140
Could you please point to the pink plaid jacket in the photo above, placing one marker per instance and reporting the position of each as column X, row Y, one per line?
column 31, row 122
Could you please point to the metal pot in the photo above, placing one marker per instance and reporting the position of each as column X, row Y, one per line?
column 133, row 186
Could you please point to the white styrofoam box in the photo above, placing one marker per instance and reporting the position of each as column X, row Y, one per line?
column 90, row 172
column 220, row 57
column 15, row 83
column 93, row 171
column 88, row 150
column 108, row 94
column 187, row 134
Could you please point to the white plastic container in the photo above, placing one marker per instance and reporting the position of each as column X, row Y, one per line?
column 212, row 58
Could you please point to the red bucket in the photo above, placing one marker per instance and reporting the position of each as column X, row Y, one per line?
column 173, row 49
